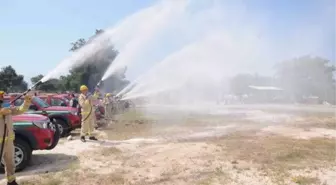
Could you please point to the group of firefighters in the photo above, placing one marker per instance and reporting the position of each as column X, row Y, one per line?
column 85, row 101
column 112, row 105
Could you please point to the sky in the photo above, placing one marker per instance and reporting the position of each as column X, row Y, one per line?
column 35, row 35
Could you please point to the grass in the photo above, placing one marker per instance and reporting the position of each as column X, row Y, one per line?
column 218, row 175
column 71, row 177
column 129, row 125
column 108, row 151
column 302, row 180
column 276, row 155
column 132, row 115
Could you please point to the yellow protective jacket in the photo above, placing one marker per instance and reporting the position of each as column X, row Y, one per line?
column 106, row 101
column 7, row 119
column 86, row 103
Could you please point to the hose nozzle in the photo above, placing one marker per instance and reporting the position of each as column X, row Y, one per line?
column 99, row 83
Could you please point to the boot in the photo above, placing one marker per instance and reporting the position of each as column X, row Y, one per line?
column 12, row 183
column 82, row 138
column 93, row 138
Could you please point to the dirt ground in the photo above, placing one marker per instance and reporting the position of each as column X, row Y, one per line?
column 252, row 148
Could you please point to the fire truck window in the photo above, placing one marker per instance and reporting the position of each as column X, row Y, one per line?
column 56, row 102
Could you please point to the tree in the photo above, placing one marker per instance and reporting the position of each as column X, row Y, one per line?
column 78, row 44
column 51, row 85
column 307, row 76
column 10, row 81
column 93, row 68
column 36, row 79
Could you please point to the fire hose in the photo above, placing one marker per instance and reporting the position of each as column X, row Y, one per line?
column 3, row 117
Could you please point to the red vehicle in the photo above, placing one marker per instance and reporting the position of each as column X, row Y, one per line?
column 66, row 124
column 61, row 100
column 55, row 100
column 32, row 132
column 66, row 96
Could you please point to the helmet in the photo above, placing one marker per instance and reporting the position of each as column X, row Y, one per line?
column 83, row 88
column 2, row 92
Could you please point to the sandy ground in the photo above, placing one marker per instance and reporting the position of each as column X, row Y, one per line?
column 251, row 147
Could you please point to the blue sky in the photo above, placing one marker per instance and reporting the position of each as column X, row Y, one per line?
column 35, row 35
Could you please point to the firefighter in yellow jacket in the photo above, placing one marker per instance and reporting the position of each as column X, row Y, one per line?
column 107, row 106
column 8, row 148
column 85, row 100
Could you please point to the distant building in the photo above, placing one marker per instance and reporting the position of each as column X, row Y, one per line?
column 265, row 94
column 265, row 88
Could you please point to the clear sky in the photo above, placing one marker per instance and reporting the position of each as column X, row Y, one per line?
column 35, row 35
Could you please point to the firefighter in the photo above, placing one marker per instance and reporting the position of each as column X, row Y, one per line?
column 86, row 100
column 114, row 105
column 108, row 106
column 8, row 148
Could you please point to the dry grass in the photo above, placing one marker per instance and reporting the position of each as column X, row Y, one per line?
column 71, row 177
column 132, row 115
column 129, row 125
column 276, row 155
column 272, row 155
column 218, row 176
column 127, row 130
column 240, row 155
column 302, row 180
column 136, row 124
column 109, row 151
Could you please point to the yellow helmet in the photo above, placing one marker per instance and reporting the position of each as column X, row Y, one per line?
column 108, row 94
column 83, row 88
column 2, row 92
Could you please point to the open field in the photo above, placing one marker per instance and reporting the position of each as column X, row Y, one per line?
column 258, row 146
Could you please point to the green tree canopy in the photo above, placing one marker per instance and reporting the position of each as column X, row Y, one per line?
column 10, row 81
column 52, row 85
column 93, row 68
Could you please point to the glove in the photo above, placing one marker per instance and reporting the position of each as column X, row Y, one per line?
column 28, row 98
column 97, row 94
column 5, row 111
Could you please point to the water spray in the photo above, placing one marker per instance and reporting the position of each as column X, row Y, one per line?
column 27, row 91
column 127, row 88
column 99, row 83
column 166, row 12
